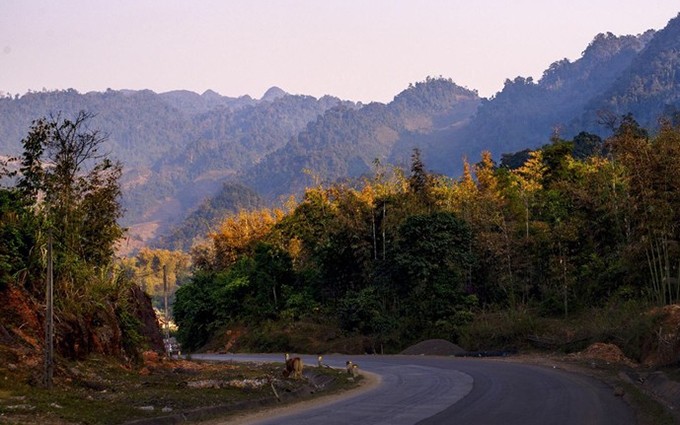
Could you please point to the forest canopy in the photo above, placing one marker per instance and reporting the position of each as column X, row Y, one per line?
column 405, row 256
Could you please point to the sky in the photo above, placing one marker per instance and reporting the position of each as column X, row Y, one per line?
column 360, row 50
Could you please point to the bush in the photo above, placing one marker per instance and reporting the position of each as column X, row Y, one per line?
column 500, row 330
column 627, row 325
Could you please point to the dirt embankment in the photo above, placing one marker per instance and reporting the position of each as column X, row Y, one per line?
column 102, row 329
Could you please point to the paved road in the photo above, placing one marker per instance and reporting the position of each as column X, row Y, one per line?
column 439, row 390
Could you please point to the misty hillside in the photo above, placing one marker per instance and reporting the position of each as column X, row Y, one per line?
column 222, row 143
column 177, row 148
column 614, row 76
column 230, row 199
column 344, row 142
column 142, row 127
column 649, row 88
column 525, row 114
column 180, row 148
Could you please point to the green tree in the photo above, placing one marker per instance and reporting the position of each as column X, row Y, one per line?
column 73, row 186
column 363, row 311
column 528, row 179
column 652, row 179
column 17, row 239
column 272, row 271
column 586, row 145
column 421, row 184
column 195, row 310
column 494, row 221
column 431, row 266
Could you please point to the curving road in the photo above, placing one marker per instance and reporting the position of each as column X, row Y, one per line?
column 443, row 390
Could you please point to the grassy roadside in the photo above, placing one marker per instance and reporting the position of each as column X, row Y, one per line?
column 101, row 391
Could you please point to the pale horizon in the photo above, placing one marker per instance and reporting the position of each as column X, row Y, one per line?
column 355, row 50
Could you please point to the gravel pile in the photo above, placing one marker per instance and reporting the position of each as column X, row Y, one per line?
column 433, row 347
column 609, row 353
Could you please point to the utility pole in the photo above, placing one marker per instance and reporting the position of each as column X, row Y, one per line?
column 383, row 229
column 165, row 298
column 49, row 317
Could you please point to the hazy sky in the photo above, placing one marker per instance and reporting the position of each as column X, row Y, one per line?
column 360, row 50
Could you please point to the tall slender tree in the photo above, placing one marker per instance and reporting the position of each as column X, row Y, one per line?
column 73, row 186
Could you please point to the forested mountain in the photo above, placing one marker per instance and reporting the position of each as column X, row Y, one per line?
column 193, row 103
column 614, row 76
column 178, row 148
column 231, row 199
column 344, row 142
column 649, row 88
column 525, row 114
column 142, row 127
column 222, row 143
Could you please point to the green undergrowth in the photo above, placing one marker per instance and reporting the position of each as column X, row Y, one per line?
column 629, row 325
column 297, row 337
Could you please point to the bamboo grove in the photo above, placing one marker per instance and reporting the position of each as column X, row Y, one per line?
column 404, row 256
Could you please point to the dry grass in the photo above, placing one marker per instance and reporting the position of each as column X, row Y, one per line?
column 102, row 391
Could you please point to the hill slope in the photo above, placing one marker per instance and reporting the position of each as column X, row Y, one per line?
column 344, row 142
column 177, row 148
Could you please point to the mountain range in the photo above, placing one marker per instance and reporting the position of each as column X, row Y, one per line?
column 189, row 158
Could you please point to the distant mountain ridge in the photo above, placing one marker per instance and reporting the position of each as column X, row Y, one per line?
column 177, row 147
column 526, row 113
column 650, row 87
column 345, row 141
column 180, row 148
column 204, row 220
column 223, row 143
column 193, row 103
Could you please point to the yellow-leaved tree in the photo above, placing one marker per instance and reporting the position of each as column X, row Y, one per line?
column 528, row 180
column 238, row 234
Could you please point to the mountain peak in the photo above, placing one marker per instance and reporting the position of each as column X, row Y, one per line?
column 434, row 94
column 210, row 94
column 607, row 45
column 272, row 94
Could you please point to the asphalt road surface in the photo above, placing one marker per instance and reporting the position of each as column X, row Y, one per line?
column 465, row 391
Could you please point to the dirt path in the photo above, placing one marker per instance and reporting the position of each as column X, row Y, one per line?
column 369, row 382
